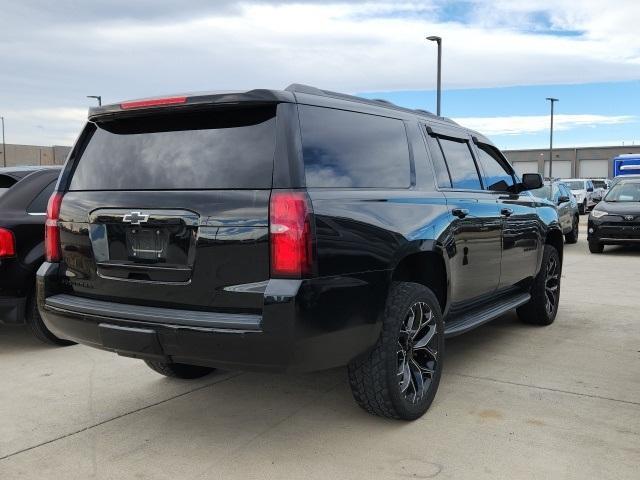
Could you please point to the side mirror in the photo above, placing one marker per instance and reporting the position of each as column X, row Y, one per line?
column 590, row 189
column 531, row 181
column 563, row 199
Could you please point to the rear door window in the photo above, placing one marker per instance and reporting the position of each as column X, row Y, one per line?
column 462, row 168
column 353, row 150
column 225, row 149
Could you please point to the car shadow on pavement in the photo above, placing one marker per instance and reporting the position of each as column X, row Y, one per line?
column 622, row 250
column 19, row 339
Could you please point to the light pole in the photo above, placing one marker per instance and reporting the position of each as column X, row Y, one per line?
column 4, row 146
column 552, row 100
column 97, row 97
column 438, row 40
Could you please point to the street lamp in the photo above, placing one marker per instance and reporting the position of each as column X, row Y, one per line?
column 438, row 40
column 4, row 146
column 97, row 97
column 552, row 100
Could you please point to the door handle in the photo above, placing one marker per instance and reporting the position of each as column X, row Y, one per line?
column 507, row 212
column 460, row 212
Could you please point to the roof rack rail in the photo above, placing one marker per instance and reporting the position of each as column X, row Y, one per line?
column 382, row 100
column 308, row 89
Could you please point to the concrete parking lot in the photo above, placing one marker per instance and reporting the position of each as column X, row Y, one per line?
column 515, row 401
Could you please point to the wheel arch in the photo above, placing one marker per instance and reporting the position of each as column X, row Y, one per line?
column 428, row 268
column 554, row 238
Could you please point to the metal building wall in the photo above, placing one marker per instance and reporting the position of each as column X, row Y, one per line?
column 584, row 161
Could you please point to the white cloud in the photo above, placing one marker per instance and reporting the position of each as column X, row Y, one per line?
column 44, row 126
column 54, row 56
column 518, row 125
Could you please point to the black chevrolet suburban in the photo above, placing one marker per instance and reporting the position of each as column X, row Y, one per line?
column 292, row 230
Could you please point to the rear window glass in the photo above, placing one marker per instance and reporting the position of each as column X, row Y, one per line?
column 353, row 150
column 39, row 203
column 209, row 149
column 6, row 182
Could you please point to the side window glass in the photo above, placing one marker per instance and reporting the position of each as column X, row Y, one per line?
column 442, row 172
column 496, row 176
column 353, row 150
column 39, row 203
column 462, row 167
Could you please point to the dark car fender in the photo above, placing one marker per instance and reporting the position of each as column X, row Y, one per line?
column 551, row 230
column 424, row 261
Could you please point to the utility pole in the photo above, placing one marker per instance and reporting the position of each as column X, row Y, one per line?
column 552, row 100
column 438, row 40
column 4, row 146
column 97, row 97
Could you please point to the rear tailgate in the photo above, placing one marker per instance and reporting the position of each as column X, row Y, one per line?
column 172, row 210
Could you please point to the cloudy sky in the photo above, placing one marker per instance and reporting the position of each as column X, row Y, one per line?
column 501, row 59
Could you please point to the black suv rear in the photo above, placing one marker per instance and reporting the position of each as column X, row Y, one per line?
column 292, row 230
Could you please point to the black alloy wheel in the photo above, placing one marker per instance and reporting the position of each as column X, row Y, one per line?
column 399, row 376
column 542, row 308
column 552, row 285
column 417, row 352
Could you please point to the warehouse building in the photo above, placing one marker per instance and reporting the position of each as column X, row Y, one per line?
column 33, row 155
column 580, row 162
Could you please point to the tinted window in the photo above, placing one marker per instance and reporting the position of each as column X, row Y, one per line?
column 212, row 149
column 348, row 149
column 462, row 168
column 442, row 173
column 6, row 182
column 496, row 176
column 39, row 203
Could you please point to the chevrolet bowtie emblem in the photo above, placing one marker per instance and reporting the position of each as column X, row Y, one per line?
column 135, row 218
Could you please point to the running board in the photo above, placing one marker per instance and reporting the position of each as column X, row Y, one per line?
column 471, row 319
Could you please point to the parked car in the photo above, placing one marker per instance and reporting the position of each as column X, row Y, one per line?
column 622, row 177
column 24, row 192
column 583, row 190
column 293, row 230
column 616, row 220
column 600, row 186
column 561, row 197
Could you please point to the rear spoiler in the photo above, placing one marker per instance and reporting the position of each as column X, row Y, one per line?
column 188, row 101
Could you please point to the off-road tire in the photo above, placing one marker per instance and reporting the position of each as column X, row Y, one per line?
column 374, row 378
column 536, row 311
column 572, row 236
column 179, row 370
column 596, row 247
column 38, row 328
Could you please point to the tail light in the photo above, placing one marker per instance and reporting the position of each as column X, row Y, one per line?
column 52, row 249
column 290, row 234
column 153, row 102
column 7, row 243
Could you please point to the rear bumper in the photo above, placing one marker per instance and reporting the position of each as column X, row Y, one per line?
column 12, row 309
column 305, row 325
